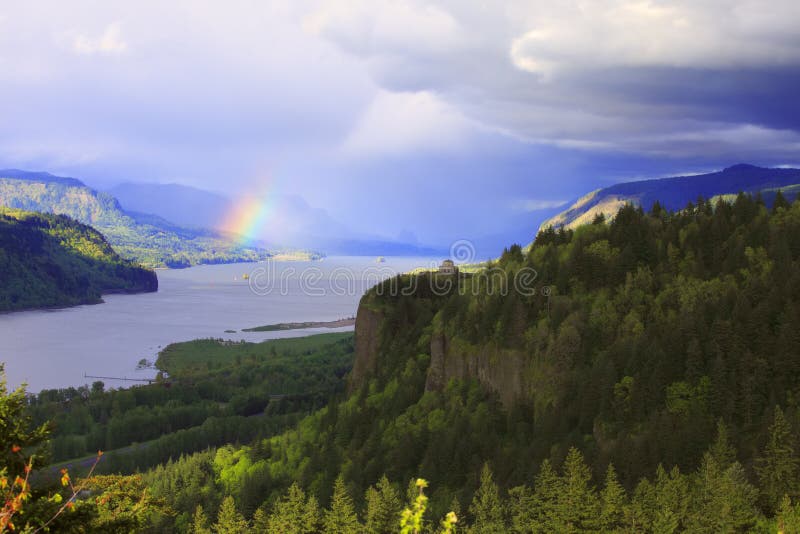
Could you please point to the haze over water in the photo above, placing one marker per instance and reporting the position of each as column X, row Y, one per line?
column 54, row 348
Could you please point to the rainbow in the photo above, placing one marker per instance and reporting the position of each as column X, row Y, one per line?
column 249, row 215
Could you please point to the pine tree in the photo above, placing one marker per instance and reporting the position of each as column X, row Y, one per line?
column 780, row 202
column 311, row 515
column 261, row 521
column 547, row 490
column 383, row 507
column 521, row 510
column 230, row 521
column 486, row 508
column 723, row 453
column 612, row 503
column 723, row 500
column 200, row 521
column 577, row 503
column 639, row 514
column 288, row 514
column 340, row 518
column 777, row 468
column 788, row 518
column 670, row 497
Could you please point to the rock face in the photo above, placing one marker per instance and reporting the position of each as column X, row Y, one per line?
column 500, row 371
column 368, row 323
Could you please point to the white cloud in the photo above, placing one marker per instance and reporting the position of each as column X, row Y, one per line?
column 110, row 42
column 398, row 123
column 364, row 26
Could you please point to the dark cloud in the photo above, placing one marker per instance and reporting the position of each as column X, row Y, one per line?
column 488, row 105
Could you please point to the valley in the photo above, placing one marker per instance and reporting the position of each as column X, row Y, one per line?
column 140, row 237
column 621, row 372
column 400, row 267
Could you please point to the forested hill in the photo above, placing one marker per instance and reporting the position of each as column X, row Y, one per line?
column 674, row 193
column 52, row 260
column 635, row 339
column 645, row 379
column 146, row 239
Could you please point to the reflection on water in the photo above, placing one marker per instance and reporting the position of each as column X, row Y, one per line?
column 55, row 348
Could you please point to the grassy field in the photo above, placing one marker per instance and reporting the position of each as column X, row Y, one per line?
column 201, row 355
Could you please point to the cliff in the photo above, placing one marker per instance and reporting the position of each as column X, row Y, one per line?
column 498, row 370
column 391, row 330
column 368, row 322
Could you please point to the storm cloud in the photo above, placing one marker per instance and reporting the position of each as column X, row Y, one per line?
column 494, row 105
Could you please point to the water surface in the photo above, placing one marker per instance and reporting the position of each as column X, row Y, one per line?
column 56, row 348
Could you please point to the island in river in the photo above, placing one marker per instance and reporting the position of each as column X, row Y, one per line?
column 338, row 323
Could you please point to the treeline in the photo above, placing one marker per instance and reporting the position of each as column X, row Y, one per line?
column 717, row 497
column 52, row 260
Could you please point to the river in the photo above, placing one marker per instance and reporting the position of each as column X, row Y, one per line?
column 57, row 348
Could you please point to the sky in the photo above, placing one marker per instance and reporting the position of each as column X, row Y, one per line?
column 434, row 120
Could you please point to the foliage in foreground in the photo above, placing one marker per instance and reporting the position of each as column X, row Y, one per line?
column 92, row 505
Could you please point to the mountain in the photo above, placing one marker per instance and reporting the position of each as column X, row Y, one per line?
column 44, row 177
column 674, row 193
column 53, row 260
column 145, row 238
column 180, row 204
column 291, row 221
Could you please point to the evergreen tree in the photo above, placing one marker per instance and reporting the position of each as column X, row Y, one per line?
column 639, row 513
column 200, row 521
column 383, row 507
column 486, row 508
column 577, row 503
column 311, row 515
column 777, row 467
column 547, row 491
column 340, row 518
column 612, row 503
column 722, row 452
column 229, row 520
column 521, row 510
column 261, row 521
column 289, row 513
column 788, row 520
column 723, row 500
column 780, row 202
column 670, row 498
